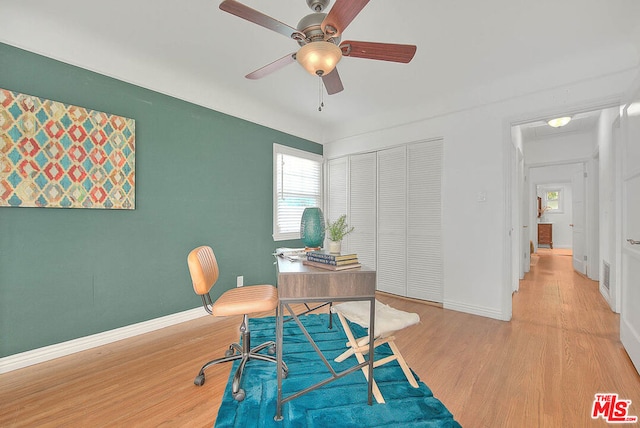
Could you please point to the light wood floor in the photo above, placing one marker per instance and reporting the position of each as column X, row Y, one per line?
column 542, row 369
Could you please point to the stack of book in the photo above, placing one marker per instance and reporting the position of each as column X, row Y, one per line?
column 326, row 260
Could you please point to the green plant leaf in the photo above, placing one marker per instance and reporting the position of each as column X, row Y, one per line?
column 338, row 229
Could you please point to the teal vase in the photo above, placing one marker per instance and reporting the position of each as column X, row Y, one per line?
column 312, row 227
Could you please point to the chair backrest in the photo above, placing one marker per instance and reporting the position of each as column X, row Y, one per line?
column 203, row 268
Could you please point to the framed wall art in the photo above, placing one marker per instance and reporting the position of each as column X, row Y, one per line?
column 54, row 155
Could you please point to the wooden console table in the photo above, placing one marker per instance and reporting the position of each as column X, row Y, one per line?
column 545, row 234
column 298, row 283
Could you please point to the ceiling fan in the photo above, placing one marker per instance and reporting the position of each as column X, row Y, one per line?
column 318, row 35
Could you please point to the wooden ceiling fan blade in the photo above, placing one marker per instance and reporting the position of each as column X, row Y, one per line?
column 379, row 51
column 274, row 66
column 341, row 15
column 245, row 12
column 332, row 82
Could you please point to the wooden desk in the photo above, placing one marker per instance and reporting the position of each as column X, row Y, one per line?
column 298, row 283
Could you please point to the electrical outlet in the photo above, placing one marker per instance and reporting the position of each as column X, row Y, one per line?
column 240, row 281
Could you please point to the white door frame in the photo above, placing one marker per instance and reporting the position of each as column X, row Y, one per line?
column 615, row 292
column 593, row 216
column 579, row 222
column 514, row 197
column 522, row 224
column 516, row 226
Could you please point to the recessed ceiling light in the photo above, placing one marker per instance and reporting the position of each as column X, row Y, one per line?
column 559, row 121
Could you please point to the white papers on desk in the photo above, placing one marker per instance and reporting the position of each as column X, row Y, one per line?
column 292, row 254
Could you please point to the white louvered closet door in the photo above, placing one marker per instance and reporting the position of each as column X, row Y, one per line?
column 337, row 174
column 362, row 207
column 392, row 221
column 424, row 221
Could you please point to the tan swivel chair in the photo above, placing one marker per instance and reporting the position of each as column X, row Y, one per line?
column 203, row 268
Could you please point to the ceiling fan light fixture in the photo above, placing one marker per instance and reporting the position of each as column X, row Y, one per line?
column 559, row 121
column 319, row 58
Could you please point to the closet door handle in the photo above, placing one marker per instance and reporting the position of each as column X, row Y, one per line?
column 632, row 242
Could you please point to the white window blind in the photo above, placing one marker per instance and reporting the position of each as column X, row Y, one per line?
column 297, row 185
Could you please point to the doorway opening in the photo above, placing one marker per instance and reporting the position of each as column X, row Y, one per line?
column 563, row 187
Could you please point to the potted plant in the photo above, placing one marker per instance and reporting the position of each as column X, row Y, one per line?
column 336, row 231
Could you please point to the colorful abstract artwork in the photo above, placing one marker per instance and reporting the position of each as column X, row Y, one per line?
column 56, row 155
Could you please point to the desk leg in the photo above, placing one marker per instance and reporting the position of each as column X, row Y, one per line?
column 279, row 334
column 372, row 319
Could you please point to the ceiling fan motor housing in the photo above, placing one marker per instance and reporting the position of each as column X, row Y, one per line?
column 310, row 27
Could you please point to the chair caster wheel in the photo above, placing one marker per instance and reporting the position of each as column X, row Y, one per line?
column 285, row 373
column 271, row 350
column 199, row 380
column 229, row 352
column 239, row 396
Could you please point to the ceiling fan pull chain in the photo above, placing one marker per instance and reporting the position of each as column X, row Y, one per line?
column 320, row 94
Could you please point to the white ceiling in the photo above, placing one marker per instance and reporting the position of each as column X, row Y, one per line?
column 580, row 122
column 469, row 53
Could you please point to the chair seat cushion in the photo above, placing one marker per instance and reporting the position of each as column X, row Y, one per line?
column 246, row 300
column 388, row 319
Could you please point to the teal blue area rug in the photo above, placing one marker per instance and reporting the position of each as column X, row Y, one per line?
column 342, row 403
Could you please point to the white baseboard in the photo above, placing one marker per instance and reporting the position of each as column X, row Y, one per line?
column 605, row 295
column 35, row 356
column 474, row 310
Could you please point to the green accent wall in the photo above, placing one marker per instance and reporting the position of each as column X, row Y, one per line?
column 202, row 178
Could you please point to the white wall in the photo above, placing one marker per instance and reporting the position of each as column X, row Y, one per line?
column 560, row 148
column 607, row 128
column 477, row 256
column 465, row 221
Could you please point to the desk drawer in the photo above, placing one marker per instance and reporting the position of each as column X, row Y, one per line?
column 327, row 286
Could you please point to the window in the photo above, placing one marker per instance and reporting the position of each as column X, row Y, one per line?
column 297, row 185
column 552, row 200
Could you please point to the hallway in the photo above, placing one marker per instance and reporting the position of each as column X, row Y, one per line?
column 574, row 348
